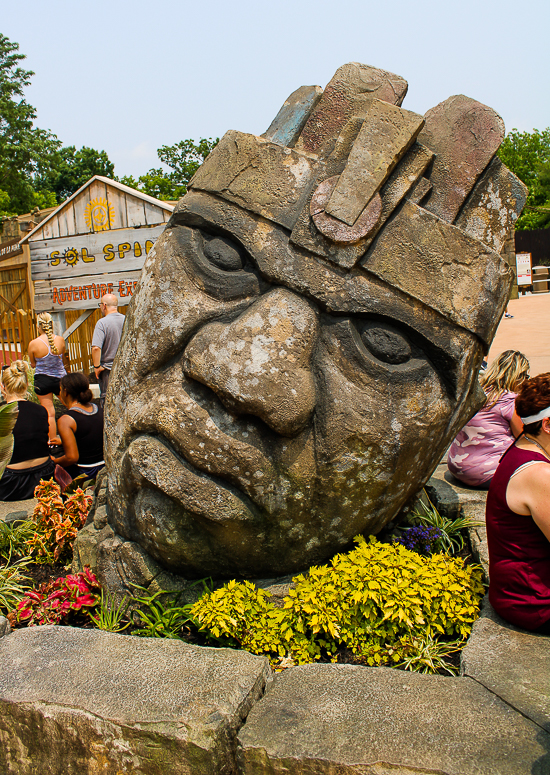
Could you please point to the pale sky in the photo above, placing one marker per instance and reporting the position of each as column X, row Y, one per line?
column 128, row 77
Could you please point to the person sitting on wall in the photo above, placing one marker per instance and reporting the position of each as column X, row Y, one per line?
column 50, row 360
column 30, row 461
column 81, row 429
column 105, row 340
column 475, row 453
column 518, row 517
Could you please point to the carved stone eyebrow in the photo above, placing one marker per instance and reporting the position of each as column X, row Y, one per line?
column 350, row 177
column 360, row 292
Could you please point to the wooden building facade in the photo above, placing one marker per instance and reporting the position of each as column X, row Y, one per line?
column 16, row 291
column 94, row 243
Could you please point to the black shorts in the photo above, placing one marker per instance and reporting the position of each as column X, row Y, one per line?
column 18, row 484
column 43, row 384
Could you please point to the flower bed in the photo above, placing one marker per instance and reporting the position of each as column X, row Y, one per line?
column 406, row 602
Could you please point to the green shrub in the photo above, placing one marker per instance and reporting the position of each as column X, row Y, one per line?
column 162, row 614
column 242, row 615
column 13, row 585
column 381, row 601
column 13, row 539
column 110, row 616
column 451, row 538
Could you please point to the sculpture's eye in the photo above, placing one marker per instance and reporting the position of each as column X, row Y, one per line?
column 385, row 342
column 224, row 254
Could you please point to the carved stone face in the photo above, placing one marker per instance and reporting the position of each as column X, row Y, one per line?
column 299, row 352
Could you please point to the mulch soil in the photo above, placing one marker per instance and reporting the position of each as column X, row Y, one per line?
column 47, row 572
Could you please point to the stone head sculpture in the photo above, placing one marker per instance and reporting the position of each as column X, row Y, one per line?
column 307, row 331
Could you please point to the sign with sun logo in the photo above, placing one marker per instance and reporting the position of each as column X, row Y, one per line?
column 99, row 215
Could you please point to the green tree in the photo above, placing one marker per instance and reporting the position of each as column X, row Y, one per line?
column 184, row 159
column 70, row 169
column 527, row 155
column 25, row 151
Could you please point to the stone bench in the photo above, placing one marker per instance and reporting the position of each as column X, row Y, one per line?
column 84, row 702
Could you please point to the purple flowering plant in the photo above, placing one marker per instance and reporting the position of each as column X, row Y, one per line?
column 421, row 539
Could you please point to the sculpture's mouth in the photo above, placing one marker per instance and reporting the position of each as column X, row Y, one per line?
column 189, row 443
column 199, row 493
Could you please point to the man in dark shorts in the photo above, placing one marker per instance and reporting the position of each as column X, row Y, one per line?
column 105, row 340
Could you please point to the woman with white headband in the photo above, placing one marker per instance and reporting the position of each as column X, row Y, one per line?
column 518, row 516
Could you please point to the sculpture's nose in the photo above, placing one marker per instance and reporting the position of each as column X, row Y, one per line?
column 260, row 363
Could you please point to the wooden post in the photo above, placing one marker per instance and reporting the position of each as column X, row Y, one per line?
column 5, row 359
column 83, row 339
column 13, row 339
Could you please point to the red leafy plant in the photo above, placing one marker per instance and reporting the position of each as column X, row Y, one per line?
column 57, row 601
column 57, row 521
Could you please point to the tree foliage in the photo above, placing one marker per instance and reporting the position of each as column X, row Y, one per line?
column 25, row 151
column 71, row 168
column 527, row 155
column 35, row 171
column 183, row 158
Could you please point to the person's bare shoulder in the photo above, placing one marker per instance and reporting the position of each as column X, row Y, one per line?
column 66, row 421
column 38, row 347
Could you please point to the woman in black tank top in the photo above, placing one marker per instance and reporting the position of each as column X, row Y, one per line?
column 30, row 461
column 81, row 429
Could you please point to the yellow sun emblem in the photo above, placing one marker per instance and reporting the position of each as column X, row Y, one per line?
column 99, row 215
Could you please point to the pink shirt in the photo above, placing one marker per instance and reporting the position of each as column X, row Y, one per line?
column 476, row 451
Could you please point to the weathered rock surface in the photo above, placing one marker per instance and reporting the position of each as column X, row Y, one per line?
column 513, row 664
column 287, row 125
column 420, row 190
column 261, row 360
column 5, row 626
column 348, row 95
column 346, row 719
column 74, row 702
column 287, row 380
column 405, row 178
column 385, row 136
column 412, row 253
column 263, row 177
column 10, row 511
column 493, row 206
column 464, row 135
column 336, row 230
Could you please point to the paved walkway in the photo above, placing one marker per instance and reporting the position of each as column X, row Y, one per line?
column 528, row 331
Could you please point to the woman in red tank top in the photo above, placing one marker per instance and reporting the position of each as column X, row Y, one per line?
column 518, row 516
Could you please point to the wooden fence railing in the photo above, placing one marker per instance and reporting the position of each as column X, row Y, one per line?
column 18, row 328
column 79, row 343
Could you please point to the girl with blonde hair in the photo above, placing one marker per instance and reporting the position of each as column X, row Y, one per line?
column 30, row 461
column 49, row 358
column 476, row 451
